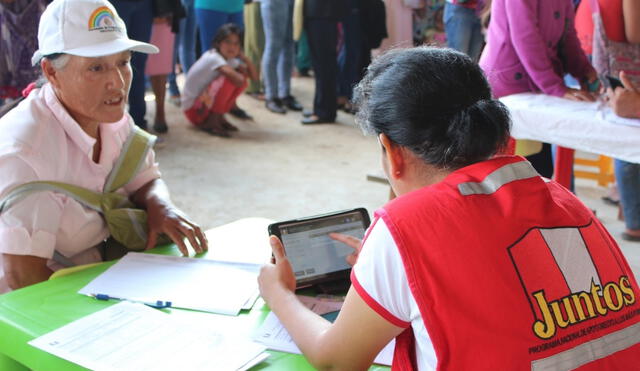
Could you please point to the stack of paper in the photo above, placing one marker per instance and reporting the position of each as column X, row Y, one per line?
column 200, row 284
column 129, row 336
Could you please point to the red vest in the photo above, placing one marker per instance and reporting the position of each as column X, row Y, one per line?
column 513, row 273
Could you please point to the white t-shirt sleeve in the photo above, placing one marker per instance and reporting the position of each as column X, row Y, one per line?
column 379, row 277
column 216, row 61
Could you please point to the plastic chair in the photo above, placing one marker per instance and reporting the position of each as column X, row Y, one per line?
column 604, row 174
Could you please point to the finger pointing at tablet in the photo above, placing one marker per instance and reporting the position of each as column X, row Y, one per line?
column 353, row 242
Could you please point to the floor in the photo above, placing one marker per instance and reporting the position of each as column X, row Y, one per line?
column 276, row 168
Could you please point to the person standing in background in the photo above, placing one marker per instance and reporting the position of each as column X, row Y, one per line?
column 254, row 43
column 463, row 27
column 19, row 22
column 615, row 45
column 278, row 58
column 184, row 49
column 399, row 20
column 303, row 57
column 167, row 15
column 138, row 17
column 321, row 19
column 531, row 45
column 363, row 29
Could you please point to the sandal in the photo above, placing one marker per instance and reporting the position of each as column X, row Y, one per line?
column 216, row 132
column 229, row 126
column 240, row 113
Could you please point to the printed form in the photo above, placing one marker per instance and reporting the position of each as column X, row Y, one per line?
column 131, row 336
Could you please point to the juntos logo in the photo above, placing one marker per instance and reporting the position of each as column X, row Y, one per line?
column 581, row 306
column 567, row 282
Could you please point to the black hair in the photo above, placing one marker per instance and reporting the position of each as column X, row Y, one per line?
column 223, row 32
column 435, row 102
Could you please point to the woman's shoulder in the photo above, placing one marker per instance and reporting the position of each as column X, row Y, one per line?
column 28, row 125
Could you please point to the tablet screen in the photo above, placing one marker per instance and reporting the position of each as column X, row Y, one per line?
column 310, row 250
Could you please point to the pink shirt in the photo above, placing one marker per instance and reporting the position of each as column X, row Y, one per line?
column 39, row 140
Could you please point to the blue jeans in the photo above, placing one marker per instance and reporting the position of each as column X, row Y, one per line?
column 138, row 17
column 209, row 21
column 463, row 29
column 277, row 60
column 185, row 46
column 628, row 180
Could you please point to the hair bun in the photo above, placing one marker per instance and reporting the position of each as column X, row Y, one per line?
column 479, row 128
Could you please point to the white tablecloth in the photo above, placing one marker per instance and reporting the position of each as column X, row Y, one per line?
column 586, row 126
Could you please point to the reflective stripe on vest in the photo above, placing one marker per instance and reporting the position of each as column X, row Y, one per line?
column 498, row 178
column 588, row 352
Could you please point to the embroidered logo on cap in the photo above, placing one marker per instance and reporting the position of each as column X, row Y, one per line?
column 102, row 19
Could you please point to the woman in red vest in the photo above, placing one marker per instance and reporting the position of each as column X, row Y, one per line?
column 479, row 263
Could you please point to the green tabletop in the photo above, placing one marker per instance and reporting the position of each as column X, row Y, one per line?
column 33, row 311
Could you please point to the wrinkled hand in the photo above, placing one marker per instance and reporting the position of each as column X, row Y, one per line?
column 352, row 242
column 172, row 222
column 277, row 276
column 625, row 102
column 579, row 95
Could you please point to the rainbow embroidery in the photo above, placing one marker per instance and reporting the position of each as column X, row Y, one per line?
column 101, row 18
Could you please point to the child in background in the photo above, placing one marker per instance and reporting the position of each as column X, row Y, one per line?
column 215, row 81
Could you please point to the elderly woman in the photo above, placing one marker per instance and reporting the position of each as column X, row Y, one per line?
column 72, row 130
column 478, row 262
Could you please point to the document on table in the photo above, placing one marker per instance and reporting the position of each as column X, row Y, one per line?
column 131, row 336
column 243, row 241
column 275, row 337
column 200, row 284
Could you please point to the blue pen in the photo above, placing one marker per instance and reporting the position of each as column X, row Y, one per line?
column 159, row 304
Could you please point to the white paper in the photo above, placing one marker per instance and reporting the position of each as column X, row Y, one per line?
column 243, row 241
column 199, row 284
column 275, row 337
column 129, row 336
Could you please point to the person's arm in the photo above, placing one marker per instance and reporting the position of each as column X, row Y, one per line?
column 236, row 78
column 28, row 227
column 631, row 15
column 577, row 63
column 625, row 102
column 24, row 270
column 164, row 217
column 530, row 47
column 251, row 69
column 351, row 343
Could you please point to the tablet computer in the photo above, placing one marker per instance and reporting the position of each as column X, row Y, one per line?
column 315, row 257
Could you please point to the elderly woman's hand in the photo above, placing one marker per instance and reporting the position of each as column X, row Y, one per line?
column 276, row 278
column 172, row 222
column 163, row 217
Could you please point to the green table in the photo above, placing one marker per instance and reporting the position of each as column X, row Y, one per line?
column 36, row 310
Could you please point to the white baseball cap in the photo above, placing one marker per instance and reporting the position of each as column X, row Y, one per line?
column 86, row 28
